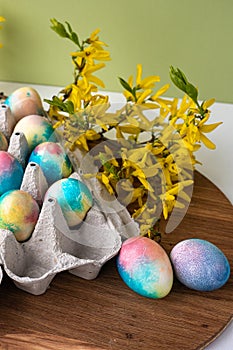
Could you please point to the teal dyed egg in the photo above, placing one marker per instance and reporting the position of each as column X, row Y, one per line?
column 18, row 213
column 36, row 130
column 74, row 198
column 24, row 101
column 53, row 161
column 11, row 172
column 200, row 265
column 145, row 267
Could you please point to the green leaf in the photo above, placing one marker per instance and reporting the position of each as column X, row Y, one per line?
column 179, row 79
column 72, row 35
column 69, row 107
column 66, row 106
column 182, row 76
column 192, row 92
column 125, row 85
column 59, row 28
column 74, row 38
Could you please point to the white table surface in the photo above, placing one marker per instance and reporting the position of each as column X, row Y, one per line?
column 217, row 165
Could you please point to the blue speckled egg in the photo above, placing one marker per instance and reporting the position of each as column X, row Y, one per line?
column 24, row 101
column 11, row 172
column 74, row 198
column 53, row 161
column 36, row 130
column 145, row 267
column 200, row 265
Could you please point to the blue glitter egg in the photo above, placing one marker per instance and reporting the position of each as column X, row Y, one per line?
column 200, row 265
column 74, row 198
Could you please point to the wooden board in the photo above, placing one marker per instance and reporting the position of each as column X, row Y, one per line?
column 105, row 314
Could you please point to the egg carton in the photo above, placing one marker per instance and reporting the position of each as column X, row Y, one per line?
column 54, row 247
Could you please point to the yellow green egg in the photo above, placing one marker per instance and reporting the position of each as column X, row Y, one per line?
column 36, row 130
column 19, row 213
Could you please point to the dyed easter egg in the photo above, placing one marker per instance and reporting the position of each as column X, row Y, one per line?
column 3, row 142
column 24, row 101
column 36, row 130
column 53, row 161
column 18, row 213
column 74, row 198
column 11, row 172
column 145, row 267
column 200, row 265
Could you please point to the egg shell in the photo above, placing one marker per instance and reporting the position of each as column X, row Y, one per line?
column 3, row 142
column 53, row 161
column 24, row 101
column 11, row 172
column 74, row 198
column 18, row 213
column 145, row 267
column 36, row 130
column 200, row 265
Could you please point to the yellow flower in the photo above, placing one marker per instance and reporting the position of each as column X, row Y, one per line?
column 2, row 19
column 146, row 83
column 203, row 128
column 91, row 53
column 94, row 40
column 87, row 71
column 141, row 92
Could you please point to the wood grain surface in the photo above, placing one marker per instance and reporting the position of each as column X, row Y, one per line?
column 105, row 314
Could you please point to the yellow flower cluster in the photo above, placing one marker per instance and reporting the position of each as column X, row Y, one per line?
column 90, row 50
column 2, row 19
column 147, row 155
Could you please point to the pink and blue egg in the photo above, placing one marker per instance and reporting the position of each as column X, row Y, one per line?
column 53, row 161
column 74, row 199
column 19, row 213
column 11, row 172
column 145, row 267
column 200, row 265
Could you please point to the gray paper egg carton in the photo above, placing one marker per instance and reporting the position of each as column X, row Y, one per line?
column 53, row 246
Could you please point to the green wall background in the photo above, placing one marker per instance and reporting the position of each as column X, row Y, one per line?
column 196, row 36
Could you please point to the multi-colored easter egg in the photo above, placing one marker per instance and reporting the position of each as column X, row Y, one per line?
column 200, row 265
column 3, row 142
column 11, row 172
column 36, row 130
column 145, row 267
column 18, row 213
column 24, row 101
column 53, row 161
column 74, row 198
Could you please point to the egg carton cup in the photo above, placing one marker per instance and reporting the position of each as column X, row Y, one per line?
column 7, row 120
column 54, row 247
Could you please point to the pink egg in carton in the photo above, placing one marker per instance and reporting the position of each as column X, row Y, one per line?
column 54, row 247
